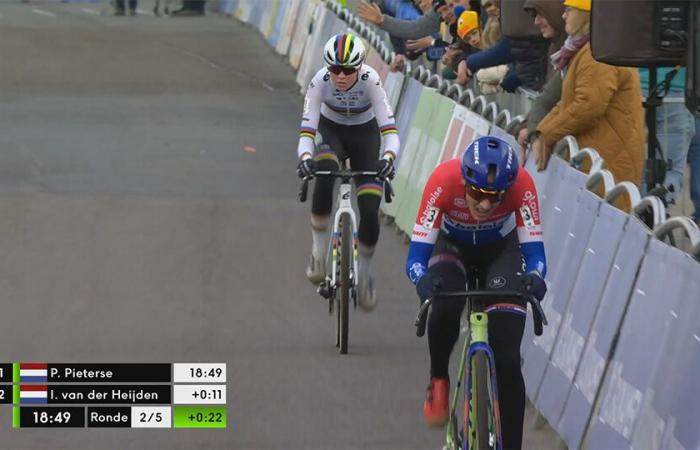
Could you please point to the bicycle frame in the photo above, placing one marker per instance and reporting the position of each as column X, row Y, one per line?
column 475, row 344
column 344, row 206
column 477, row 341
column 345, row 288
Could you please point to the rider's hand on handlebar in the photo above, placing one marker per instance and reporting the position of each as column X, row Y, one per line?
column 425, row 287
column 306, row 168
column 534, row 284
column 385, row 167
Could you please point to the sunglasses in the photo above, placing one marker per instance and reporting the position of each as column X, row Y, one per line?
column 336, row 70
column 480, row 195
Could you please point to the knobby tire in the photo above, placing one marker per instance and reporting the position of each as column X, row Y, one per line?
column 484, row 408
column 346, row 249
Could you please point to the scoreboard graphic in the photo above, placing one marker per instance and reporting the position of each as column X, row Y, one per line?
column 177, row 395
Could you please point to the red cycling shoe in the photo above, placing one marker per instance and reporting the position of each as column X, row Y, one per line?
column 436, row 405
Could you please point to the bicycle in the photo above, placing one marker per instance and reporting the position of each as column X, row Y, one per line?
column 341, row 284
column 481, row 427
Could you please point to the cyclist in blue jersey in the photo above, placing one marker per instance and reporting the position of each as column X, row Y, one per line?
column 479, row 210
column 347, row 106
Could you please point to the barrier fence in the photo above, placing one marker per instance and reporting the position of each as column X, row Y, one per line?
column 617, row 366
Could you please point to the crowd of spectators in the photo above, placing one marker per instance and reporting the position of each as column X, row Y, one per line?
column 599, row 104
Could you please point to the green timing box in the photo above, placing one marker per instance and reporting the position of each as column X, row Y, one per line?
column 199, row 416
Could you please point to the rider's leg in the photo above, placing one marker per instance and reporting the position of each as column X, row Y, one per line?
column 321, row 205
column 368, row 199
column 506, row 326
column 443, row 323
column 505, row 334
column 362, row 143
column 443, row 330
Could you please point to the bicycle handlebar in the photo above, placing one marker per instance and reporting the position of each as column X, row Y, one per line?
column 538, row 315
column 347, row 174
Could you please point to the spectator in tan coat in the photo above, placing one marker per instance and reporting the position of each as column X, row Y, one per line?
column 600, row 105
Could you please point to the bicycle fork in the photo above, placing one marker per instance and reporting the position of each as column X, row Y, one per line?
column 478, row 329
column 328, row 287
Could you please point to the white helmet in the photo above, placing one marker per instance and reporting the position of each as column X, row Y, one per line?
column 345, row 50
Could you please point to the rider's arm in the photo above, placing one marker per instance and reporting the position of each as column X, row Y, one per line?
column 310, row 116
column 527, row 220
column 427, row 227
column 425, row 25
column 383, row 112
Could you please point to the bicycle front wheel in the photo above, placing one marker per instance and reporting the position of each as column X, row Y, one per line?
column 343, row 309
column 484, row 422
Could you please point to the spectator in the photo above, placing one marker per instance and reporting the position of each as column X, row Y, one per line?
column 426, row 25
column 419, row 31
column 190, row 8
column 120, row 10
column 600, row 105
column 529, row 60
column 449, row 11
column 488, row 79
column 403, row 10
column 675, row 126
column 445, row 9
column 694, row 162
column 547, row 16
column 492, row 29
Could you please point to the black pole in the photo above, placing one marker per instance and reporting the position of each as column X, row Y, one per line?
column 655, row 170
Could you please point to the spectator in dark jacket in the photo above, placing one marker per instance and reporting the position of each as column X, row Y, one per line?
column 528, row 59
column 547, row 16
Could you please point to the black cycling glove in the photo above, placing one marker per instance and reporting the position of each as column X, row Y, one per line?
column 385, row 168
column 534, row 284
column 306, row 168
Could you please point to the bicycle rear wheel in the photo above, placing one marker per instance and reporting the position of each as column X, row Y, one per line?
column 343, row 310
column 483, row 432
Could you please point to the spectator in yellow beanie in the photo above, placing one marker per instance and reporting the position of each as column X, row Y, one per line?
column 489, row 78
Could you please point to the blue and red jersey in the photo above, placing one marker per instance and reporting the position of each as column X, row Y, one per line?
column 443, row 209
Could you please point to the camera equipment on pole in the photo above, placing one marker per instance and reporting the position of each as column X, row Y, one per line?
column 692, row 81
column 647, row 34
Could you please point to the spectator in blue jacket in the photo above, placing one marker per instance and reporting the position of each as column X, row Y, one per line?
column 675, row 128
column 694, row 162
column 406, row 29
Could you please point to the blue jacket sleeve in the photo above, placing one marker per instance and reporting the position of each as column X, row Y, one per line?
column 417, row 261
column 533, row 254
column 495, row 56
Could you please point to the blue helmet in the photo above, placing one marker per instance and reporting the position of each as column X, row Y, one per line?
column 490, row 163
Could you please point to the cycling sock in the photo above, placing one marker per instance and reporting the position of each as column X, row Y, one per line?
column 364, row 261
column 319, row 235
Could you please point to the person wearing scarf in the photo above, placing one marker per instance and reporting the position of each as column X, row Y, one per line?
column 600, row 105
